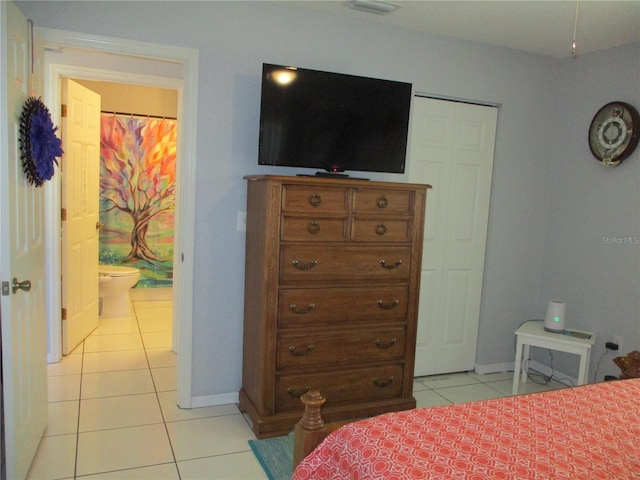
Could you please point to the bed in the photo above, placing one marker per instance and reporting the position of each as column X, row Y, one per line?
column 587, row 432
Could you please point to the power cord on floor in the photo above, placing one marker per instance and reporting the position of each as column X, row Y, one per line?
column 554, row 376
column 536, row 377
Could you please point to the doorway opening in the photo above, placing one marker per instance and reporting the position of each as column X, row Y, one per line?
column 127, row 183
column 105, row 59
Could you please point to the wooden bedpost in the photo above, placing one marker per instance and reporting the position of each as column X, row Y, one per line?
column 310, row 430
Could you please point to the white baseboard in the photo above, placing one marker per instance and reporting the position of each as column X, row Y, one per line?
column 213, row 400
column 493, row 368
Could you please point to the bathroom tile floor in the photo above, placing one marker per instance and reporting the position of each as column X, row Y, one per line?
column 113, row 413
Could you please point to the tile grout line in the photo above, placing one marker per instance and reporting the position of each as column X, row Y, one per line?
column 155, row 389
column 75, row 463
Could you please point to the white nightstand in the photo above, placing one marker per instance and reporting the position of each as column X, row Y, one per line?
column 533, row 334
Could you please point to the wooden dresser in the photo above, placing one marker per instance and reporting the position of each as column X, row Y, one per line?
column 331, row 297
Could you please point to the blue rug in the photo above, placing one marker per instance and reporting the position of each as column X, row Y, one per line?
column 275, row 455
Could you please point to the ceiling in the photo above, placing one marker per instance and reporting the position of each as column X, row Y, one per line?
column 543, row 27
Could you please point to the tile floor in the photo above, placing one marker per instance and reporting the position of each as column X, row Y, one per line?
column 113, row 413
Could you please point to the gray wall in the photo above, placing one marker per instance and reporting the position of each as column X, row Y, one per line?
column 545, row 109
column 592, row 241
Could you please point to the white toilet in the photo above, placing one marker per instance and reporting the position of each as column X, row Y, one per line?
column 114, row 283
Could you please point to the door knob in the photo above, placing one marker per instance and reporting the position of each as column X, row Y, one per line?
column 99, row 225
column 25, row 285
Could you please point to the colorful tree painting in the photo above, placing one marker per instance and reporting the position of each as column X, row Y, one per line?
column 138, row 174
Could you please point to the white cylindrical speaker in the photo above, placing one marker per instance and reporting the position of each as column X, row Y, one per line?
column 554, row 320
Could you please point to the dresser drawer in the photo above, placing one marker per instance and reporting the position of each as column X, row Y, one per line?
column 341, row 347
column 350, row 386
column 314, row 229
column 382, row 229
column 371, row 200
column 317, row 264
column 300, row 198
column 308, row 307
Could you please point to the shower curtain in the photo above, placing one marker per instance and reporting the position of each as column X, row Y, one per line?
column 137, row 195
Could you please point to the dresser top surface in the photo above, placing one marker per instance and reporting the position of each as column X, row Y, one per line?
column 339, row 181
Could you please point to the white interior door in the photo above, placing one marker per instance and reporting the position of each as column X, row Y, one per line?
column 22, row 255
column 80, row 167
column 452, row 147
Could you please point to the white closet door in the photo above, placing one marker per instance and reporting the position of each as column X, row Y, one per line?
column 452, row 147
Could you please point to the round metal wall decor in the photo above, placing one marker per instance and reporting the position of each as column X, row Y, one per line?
column 39, row 145
column 614, row 133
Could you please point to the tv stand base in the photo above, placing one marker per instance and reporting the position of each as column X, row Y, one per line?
column 330, row 175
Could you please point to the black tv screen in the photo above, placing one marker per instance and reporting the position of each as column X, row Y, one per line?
column 331, row 121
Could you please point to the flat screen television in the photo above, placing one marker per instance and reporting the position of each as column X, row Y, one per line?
column 331, row 121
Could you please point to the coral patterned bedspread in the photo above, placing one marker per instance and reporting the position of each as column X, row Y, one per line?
column 588, row 432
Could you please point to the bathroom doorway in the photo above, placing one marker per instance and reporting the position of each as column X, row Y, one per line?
column 168, row 90
column 110, row 59
column 136, row 132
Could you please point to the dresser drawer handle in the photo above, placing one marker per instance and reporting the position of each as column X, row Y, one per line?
column 380, row 384
column 390, row 267
column 382, row 201
column 302, row 311
column 381, row 229
column 315, row 200
column 379, row 344
column 297, row 395
column 314, row 227
column 388, row 306
column 307, row 351
column 308, row 266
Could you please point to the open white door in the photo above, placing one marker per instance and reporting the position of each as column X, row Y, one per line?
column 452, row 147
column 80, row 167
column 22, row 254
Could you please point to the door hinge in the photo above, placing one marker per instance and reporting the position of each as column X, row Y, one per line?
column 64, row 313
column 63, row 214
column 64, row 111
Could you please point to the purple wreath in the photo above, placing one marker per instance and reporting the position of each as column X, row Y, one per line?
column 39, row 145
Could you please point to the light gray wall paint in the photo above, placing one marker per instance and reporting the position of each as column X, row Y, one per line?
column 592, row 259
column 235, row 38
